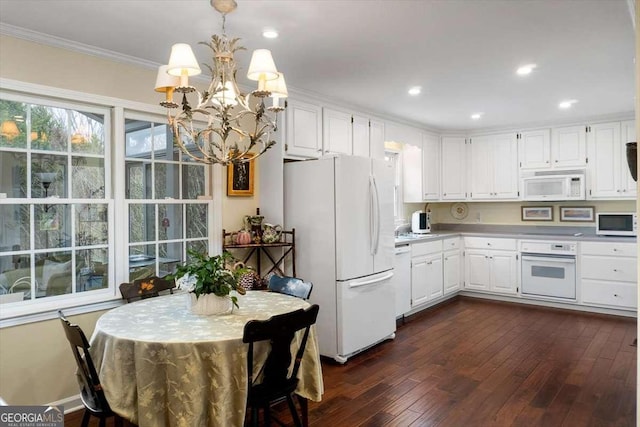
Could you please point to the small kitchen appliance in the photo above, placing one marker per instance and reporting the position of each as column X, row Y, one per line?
column 421, row 222
column 617, row 224
column 556, row 186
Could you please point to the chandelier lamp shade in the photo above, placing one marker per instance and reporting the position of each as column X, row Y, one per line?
column 221, row 125
column 9, row 129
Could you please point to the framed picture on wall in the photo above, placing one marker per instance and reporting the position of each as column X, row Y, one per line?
column 577, row 213
column 537, row 213
column 240, row 179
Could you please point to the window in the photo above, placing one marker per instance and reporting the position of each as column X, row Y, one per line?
column 394, row 158
column 75, row 194
column 54, row 215
column 163, row 192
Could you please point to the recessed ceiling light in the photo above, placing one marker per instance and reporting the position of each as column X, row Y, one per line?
column 525, row 69
column 415, row 90
column 270, row 34
column 567, row 104
column 476, row 116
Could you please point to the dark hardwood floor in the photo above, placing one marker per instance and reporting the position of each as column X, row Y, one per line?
column 481, row 363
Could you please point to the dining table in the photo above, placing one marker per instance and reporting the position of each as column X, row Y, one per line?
column 161, row 365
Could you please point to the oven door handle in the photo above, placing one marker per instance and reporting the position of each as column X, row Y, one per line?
column 555, row 259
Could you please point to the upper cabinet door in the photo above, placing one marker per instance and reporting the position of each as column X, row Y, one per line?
column 376, row 140
column 604, row 160
column 430, row 167
column 454, row 168
column 481, row 167
column 303, row 130
column 535, row 149
column 628, row 134
column 505, row 166
column 360, row 136
column 569, row 147
column 336, row 134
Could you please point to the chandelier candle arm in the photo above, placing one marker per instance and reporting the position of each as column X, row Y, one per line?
column 214, row 130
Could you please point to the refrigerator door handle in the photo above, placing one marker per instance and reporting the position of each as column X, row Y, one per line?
column 372, row 281
column 376, row 216
column 371, row 216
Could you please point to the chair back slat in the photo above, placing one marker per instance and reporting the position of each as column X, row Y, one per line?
column 146, row 288
column 88, row 380
column 279, row 331
column 290, row 286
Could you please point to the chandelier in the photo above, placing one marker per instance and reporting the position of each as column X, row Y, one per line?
column 224, row 126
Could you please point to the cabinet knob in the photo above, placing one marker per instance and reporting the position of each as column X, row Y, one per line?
column 617, row 191
column 488, row 244
column 556, row 161
column 624, row 191
column 547, row 161
column 615, row 295
column 615, row 250
column 615, row 269
column 444, row 194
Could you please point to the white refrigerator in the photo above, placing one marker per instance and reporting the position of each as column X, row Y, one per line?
column 342, row 210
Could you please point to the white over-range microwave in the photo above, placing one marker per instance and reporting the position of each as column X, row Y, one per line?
column 617, row 224
column 552, row 187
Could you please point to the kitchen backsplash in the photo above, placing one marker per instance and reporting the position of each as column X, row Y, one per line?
column 509, row 213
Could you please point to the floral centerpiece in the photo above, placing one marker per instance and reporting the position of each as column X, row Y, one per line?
column 206, row 278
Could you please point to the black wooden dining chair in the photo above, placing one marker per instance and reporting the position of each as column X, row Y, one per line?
column 146, row 288
column 276, row 382
column 290, row 286
column 93, row 399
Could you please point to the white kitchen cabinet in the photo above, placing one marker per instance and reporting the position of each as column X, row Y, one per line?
column 451, row 265
column 376, row 139
column 504, row 266
column 477, row 269
column 608, row 172
column 534, row 149
column 303, row 137
column 609, row 275
column 628, row 134
column 430, row 167
column 493, row 270
column 426, row 272
column 454, row 168
column 360, row 136
column 337, row 135
column 493, row 165
column 569, row 147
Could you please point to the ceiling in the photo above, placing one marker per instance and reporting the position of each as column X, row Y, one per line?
column 367, row 54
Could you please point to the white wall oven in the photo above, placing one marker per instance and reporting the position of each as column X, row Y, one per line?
column 548, row 269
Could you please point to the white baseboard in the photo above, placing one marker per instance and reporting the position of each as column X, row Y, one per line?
column 71, row 404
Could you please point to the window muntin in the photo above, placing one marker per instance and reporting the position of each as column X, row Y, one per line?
column 56, row 159
column 163, row 188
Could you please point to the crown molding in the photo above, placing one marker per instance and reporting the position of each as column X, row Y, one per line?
column 59, row 42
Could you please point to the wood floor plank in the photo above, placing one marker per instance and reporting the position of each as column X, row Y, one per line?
column 475, row 362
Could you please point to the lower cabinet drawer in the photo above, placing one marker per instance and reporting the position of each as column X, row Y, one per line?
column 622, row 269
column 425, row 248
column 595, row 292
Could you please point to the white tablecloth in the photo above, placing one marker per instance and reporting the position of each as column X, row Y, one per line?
column 161, row 365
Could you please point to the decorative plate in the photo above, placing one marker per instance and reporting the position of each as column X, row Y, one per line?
column 459, row 210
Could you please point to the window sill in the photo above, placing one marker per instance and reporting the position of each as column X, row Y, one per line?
column 53, row 314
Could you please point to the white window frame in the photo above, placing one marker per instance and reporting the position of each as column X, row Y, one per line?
column 399, row 200
column 46, row 308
